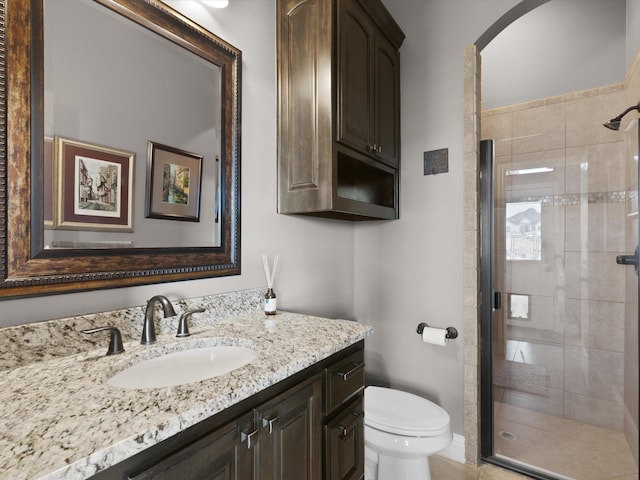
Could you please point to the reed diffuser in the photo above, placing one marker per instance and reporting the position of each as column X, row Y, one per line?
column 270, row 297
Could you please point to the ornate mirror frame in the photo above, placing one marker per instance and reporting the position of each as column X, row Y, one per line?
column 27, row 268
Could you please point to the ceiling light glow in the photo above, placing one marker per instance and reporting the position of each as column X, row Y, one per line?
column 217, row 3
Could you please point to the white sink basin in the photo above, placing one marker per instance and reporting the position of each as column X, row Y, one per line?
column 185, row 366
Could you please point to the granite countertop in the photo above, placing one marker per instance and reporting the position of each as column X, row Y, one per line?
column 62, row 421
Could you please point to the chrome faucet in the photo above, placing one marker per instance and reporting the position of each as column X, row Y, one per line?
column 148, row 328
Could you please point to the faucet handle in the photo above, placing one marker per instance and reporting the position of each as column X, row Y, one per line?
column 183, row 327
column 115, row 342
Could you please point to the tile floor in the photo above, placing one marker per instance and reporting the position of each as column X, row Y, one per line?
column 573, row 449
column 444, row 469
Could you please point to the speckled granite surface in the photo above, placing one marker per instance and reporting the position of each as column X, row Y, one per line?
column 34, row 342
column 62, row 421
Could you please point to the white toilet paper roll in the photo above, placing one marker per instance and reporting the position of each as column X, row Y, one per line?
column 435, row 336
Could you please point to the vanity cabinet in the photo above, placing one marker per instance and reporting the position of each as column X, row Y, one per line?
column 339, row 109
column 223, row 454
column 301, row 428
column 291, row 435
column 277, row 440
column 344, row 419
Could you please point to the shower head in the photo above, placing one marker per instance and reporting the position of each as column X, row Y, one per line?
column 614, row 123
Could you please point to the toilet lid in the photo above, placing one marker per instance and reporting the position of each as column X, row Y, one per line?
column 403, row 413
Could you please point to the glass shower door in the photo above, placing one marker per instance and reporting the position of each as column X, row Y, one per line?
column 565, row 322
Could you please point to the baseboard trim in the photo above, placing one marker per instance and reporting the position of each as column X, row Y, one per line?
column 455, row 451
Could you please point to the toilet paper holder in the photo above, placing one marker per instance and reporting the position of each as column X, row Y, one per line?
column 451, row 331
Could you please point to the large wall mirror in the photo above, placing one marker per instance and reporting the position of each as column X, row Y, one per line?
column 122, row 147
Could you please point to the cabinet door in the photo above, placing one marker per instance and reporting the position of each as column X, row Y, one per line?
column 345, row 443
column 355, row 82
column 387, row 102
column 291, row 434
column 224, row 454
column 305, row 131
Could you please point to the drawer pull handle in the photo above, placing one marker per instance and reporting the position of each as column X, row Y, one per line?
column 269, row 423
column 248, row 436
column 356, row 368
column 350, row 426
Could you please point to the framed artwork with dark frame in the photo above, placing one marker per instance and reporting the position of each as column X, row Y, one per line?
column 174, row 181
column 93, row 187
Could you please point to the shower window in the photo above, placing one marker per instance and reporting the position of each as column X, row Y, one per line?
column 523, row 230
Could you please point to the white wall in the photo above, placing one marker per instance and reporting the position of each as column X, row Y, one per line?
column 633, row 32
column 410, row 270
column 316, row 256
column 560, row 47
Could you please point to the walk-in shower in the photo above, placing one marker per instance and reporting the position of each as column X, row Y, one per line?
column 559, row 206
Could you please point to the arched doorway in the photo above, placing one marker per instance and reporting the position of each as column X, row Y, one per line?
column 537, row 377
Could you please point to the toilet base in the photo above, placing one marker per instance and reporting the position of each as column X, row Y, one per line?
column 383, row 467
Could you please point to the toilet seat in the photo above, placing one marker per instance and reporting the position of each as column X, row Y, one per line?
column 403, row 413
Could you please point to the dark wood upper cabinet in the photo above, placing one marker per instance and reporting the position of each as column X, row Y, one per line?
column 387, row 102
column 368, row 86
column 339, row 109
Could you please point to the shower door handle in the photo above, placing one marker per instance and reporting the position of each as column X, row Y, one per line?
column 497, row 300
column 629, row 260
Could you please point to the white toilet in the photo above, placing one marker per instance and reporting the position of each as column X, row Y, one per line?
column 401, row 431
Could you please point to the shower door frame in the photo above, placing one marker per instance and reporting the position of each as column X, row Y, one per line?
column 490, row 302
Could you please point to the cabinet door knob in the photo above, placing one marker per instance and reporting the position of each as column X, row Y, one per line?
column 248, row 436
column 351, row 425
column 269, row 422
column 356, row 368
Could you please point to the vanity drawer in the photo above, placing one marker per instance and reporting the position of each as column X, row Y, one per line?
column 344, row 437
column 343, row 380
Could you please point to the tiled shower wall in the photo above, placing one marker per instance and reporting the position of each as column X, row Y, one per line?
column 567, row 358
column 472, row 294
